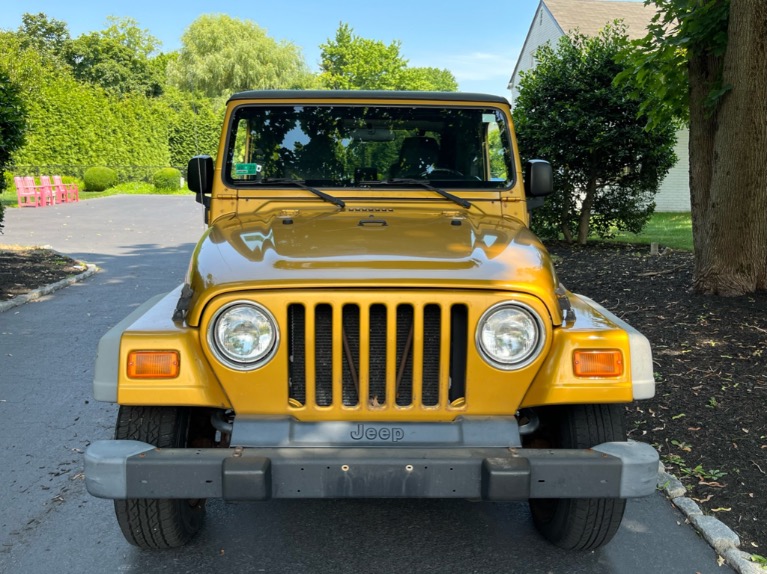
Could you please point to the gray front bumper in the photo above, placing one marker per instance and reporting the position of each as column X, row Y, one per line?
column 121, row 469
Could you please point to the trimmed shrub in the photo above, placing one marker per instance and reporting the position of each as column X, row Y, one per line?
column 99, row 178
column 168, row 178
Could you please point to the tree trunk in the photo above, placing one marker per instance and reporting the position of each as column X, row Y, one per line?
column 588, row 204
column 728, row 151
column 703, row 72
column 566, row 233
column 565, row 218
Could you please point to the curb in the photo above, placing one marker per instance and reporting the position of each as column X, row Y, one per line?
column 720, row 536
column 48, row 289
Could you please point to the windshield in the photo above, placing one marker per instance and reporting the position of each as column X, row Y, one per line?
column 360, row 146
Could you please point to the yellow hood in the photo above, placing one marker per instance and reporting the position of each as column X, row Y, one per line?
column 397, row 248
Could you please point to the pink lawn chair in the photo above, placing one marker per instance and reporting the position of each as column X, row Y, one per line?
column 47, row 192
column 68, row 192
column 27, row 196
column 43, row 199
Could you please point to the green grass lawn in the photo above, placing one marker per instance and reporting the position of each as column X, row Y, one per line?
column 672, row 230
column 132, row 188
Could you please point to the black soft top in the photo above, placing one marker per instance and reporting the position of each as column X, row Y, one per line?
column 366, row 95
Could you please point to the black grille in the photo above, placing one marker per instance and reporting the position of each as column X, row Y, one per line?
column 323, row 355
column 408, row 345
column 377, row 357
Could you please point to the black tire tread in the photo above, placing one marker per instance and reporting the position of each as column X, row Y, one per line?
column 156, row 523
column 585, row 523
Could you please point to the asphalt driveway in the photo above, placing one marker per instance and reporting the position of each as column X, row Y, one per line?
column 49, row 523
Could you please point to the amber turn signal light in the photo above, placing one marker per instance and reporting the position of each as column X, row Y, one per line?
column 598, row 363
column 153, row 364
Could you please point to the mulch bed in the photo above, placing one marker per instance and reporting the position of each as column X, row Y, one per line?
column 22, row 270
column 709, row 416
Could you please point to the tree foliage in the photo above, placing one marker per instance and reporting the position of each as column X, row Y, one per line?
column 119, row 59
column 12, row 125
column 351, row 62
column 704, row 63
column 43, row 33
column 428, row 79
column 607, row 167
column 657, row 64
column 78, row 124
column 194, row 125
column 220, row 55
column 73, row 124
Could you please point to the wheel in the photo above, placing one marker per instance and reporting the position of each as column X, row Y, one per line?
column 157, row 523
column 579, row 523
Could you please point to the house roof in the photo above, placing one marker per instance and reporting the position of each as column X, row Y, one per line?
column 590, row 16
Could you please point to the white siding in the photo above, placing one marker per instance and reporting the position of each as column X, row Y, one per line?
column 674, row 192
column 543, row 29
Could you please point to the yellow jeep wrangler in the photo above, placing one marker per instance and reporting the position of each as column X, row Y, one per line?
column 368, row 315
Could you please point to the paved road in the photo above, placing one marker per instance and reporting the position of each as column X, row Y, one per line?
column 48, row 522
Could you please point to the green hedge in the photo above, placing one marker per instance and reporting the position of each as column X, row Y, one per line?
column 76, row 125
column 194, row 125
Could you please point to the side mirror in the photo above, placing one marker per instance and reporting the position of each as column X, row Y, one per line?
column 539, row 178
column 199, row 175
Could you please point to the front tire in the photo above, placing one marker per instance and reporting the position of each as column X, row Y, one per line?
column 157, row 523
column 580, row 523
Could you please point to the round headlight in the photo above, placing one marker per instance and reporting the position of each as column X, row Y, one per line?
column 243, row 335
column 510, row 336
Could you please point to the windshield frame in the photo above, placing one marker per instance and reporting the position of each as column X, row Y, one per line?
column 503, row 121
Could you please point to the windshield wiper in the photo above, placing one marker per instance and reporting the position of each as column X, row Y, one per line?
column 447, row 195
column 298, row 183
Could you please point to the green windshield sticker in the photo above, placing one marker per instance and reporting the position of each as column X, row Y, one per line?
column 247, row 169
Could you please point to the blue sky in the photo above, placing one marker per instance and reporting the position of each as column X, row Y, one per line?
column 477, row 41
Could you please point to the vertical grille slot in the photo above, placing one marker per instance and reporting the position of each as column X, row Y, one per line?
column 377, row 356
column 350, row 366
column 297, row 353
column 405, row 336
column 459, row 341
column 432, row 337
column 323, row 353
column 378, row 349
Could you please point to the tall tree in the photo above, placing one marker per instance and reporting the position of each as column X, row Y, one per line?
column 607, row 166
column 722, row 47
column 119, row 58
column 44, row 33
column 13, row 125
column 220, row 55
column 351, row 62
column 428, row 79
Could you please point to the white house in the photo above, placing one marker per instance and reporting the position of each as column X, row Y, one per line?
column 554, row 18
